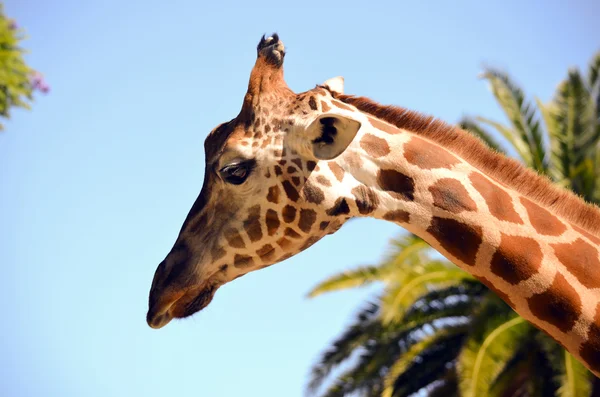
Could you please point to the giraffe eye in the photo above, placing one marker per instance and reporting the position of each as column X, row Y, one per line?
column 237, row 173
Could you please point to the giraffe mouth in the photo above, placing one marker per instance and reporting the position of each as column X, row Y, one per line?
column 183, row 305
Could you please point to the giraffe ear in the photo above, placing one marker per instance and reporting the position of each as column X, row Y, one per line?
column 335, row 84
column 334, row 133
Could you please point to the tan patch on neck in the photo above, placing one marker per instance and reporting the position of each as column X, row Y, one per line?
column 338, row 171
column 516, row 259
column 374, row 146
column 498, row 201
column 542, row 220
column 450, row 195
column 428, row 156
column 581, row 259
column 559, row 305
column 385, row 127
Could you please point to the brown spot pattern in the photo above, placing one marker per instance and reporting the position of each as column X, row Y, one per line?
column 498, row 201
column 284, row 243
column 516, row 259
column 366, row 199
column 252, row 224
column 374, row 146
column 399, row 216
column 298, row 162
column 559, row 305
column 307, row 219
column 242, row 261
column 325, row 107
column 397, row 184
column 340, row 207
column 426, row 155
column 278, row 170
column 590, row 350
column 385, row 127
column 234, row 239
column 312, row 103
column 273, row 195
column 582, row 261
column 542, row 220
column 459, row 239
column 450, row 195
column 311, row 165
column 291, row 233
column 312, row 193
column 338, row 171
column 288, row 213
column 323, row 225
column 341, row 105
column 290, row 191
column 272, row 221
column 266, row 252
column 296, row 180
column 323, row 181
column 217, row 253
column 291, row 170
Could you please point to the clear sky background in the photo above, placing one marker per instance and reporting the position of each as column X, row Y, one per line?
column 96, row 180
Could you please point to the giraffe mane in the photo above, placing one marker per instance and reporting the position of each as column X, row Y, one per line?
column 472, row 149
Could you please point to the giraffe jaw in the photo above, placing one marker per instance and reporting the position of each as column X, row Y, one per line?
column 183, row 305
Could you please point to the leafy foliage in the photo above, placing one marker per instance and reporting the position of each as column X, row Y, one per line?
column 436, row 330
column 17, row 80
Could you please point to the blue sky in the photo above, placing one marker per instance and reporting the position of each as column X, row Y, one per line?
column 96, row 180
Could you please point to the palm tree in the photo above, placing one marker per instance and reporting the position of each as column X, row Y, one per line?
column 434, row 329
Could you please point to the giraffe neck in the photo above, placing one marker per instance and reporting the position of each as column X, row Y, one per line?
column 544, row 266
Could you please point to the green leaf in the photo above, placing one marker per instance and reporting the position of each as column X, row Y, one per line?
column 526, row 128
column 495, row 339
column 413, row 283
column 406, row 251
column 448, row 337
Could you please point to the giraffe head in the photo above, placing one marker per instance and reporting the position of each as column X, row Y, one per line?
column 273, row 186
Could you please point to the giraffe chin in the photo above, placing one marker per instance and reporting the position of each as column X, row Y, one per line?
column 186, row 305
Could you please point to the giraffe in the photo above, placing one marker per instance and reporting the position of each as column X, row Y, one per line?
column 292, row 168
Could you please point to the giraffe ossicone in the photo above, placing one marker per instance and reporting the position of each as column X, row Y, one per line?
column 291, row 168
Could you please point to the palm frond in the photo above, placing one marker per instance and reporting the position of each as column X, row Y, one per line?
column 572, row 128
column 593, row 76
column 365, row 327
column 413, row 283
column 442, row 344
column 471, row 125
column 354, row 278
column 571, row 377
column 495, row 338
column 405, row 251
column 521, row 113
